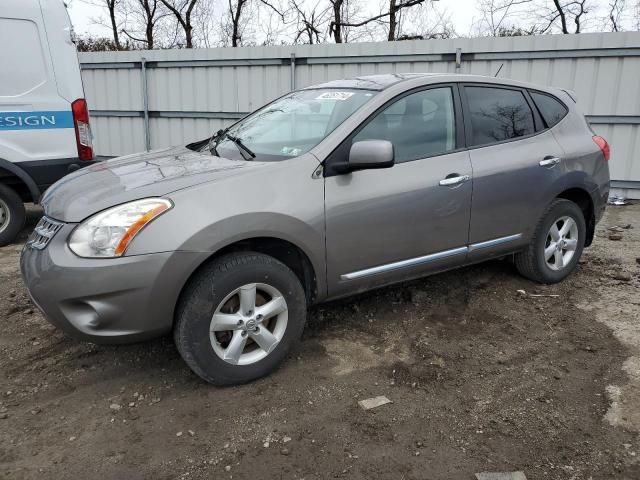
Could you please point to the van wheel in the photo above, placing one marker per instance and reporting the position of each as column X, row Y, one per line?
column 239, row 317
column 12, row 215
column 556, row 245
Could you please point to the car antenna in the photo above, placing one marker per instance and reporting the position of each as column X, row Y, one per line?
column 498, row 72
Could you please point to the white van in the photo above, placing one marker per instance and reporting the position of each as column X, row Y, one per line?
column 44, row 121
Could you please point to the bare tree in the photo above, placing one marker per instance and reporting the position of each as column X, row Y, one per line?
column 183, row 11
column 496, row 13
column 506, row 17
column 206, row 24
column 335, row 27
column 391, row 17
column 146, row 15
column 274, row 20
column 616, row 10
column 111, row 7
column 115, row 9
column 564, row 12
column 395, row 11
column 426, row 21
column 234, row 28
column 309, row 23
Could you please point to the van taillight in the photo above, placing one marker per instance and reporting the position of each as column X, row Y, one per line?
column 604, row 146
column 83, row 130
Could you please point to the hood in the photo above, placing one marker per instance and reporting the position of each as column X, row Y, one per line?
column 151, row 174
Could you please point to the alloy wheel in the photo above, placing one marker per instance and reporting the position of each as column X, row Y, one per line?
column 561, row 243
column 248, row 324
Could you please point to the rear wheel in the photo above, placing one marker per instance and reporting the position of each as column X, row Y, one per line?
column 12, row 215
column 556, row 245
column 239, row 317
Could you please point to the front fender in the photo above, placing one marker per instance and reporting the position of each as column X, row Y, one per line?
column 281, row 201
column 228, row 231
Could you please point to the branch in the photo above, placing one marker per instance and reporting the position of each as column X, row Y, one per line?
column 561, row 14
column 272, row 7
column 143, row 40
column 409, row 3
column 175, row 12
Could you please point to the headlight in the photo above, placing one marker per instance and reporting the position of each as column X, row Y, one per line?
column 109, row 233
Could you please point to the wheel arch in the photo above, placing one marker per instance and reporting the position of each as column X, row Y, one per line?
column 583, row 199
column 282, row 250
column 16, row 178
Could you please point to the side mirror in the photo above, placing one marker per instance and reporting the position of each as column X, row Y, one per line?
column 366, row 154
column 371, row 154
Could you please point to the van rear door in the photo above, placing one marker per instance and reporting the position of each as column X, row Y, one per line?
column 39, row 81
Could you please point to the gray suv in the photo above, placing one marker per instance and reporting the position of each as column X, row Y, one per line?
column 327, row 191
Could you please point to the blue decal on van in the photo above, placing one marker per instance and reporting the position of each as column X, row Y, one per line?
column 35, row 120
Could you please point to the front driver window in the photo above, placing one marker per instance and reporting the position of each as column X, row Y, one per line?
column 419, row 125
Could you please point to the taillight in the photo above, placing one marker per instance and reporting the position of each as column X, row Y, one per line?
column 604, row 146
column 83, row 130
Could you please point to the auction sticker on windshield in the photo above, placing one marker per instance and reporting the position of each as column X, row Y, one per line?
column 334, row 96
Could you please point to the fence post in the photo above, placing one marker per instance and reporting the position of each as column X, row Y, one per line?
column 293, row 72
column 458, row 58
column 145, row 104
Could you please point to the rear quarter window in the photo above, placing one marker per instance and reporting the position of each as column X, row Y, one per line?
column 551, row 109
column 498, row 114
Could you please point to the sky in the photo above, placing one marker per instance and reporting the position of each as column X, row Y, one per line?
column 462, row 13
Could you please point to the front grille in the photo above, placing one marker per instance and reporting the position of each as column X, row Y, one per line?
column 43, row 233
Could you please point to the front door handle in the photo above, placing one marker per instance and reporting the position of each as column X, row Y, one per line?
column 451, row 181
column 549, row 162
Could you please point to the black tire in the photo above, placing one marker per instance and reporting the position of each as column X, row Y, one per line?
column 15, row 213
column 531, row 263
column 206, row 291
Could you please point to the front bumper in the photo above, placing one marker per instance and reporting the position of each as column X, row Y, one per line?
column 115, row 300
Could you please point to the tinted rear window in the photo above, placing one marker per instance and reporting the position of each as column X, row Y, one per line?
column 498, row 114
column 551, row 109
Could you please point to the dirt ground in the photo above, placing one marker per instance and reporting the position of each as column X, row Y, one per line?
column 482, row 378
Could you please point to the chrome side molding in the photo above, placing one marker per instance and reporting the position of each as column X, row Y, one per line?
column 494, row 242
column 404, row 263
column 412, row 262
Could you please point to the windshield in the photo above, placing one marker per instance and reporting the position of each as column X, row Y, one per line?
column 291, row 125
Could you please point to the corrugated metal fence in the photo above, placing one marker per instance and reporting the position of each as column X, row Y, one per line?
column 151, row 99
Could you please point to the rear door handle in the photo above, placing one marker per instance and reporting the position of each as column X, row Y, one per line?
column 451, row 181
column 549, row 162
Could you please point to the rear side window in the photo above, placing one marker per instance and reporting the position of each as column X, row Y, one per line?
column 551, row 109
column 498, row 114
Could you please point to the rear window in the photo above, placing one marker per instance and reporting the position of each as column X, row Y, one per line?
column 20, row 73
column 551, row 109
column 498, row 114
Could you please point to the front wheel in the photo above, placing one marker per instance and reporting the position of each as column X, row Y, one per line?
column 12, row 215
column 239, row 317
column 556, row 245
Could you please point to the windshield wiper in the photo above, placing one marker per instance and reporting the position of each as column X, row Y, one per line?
column 242, row 148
